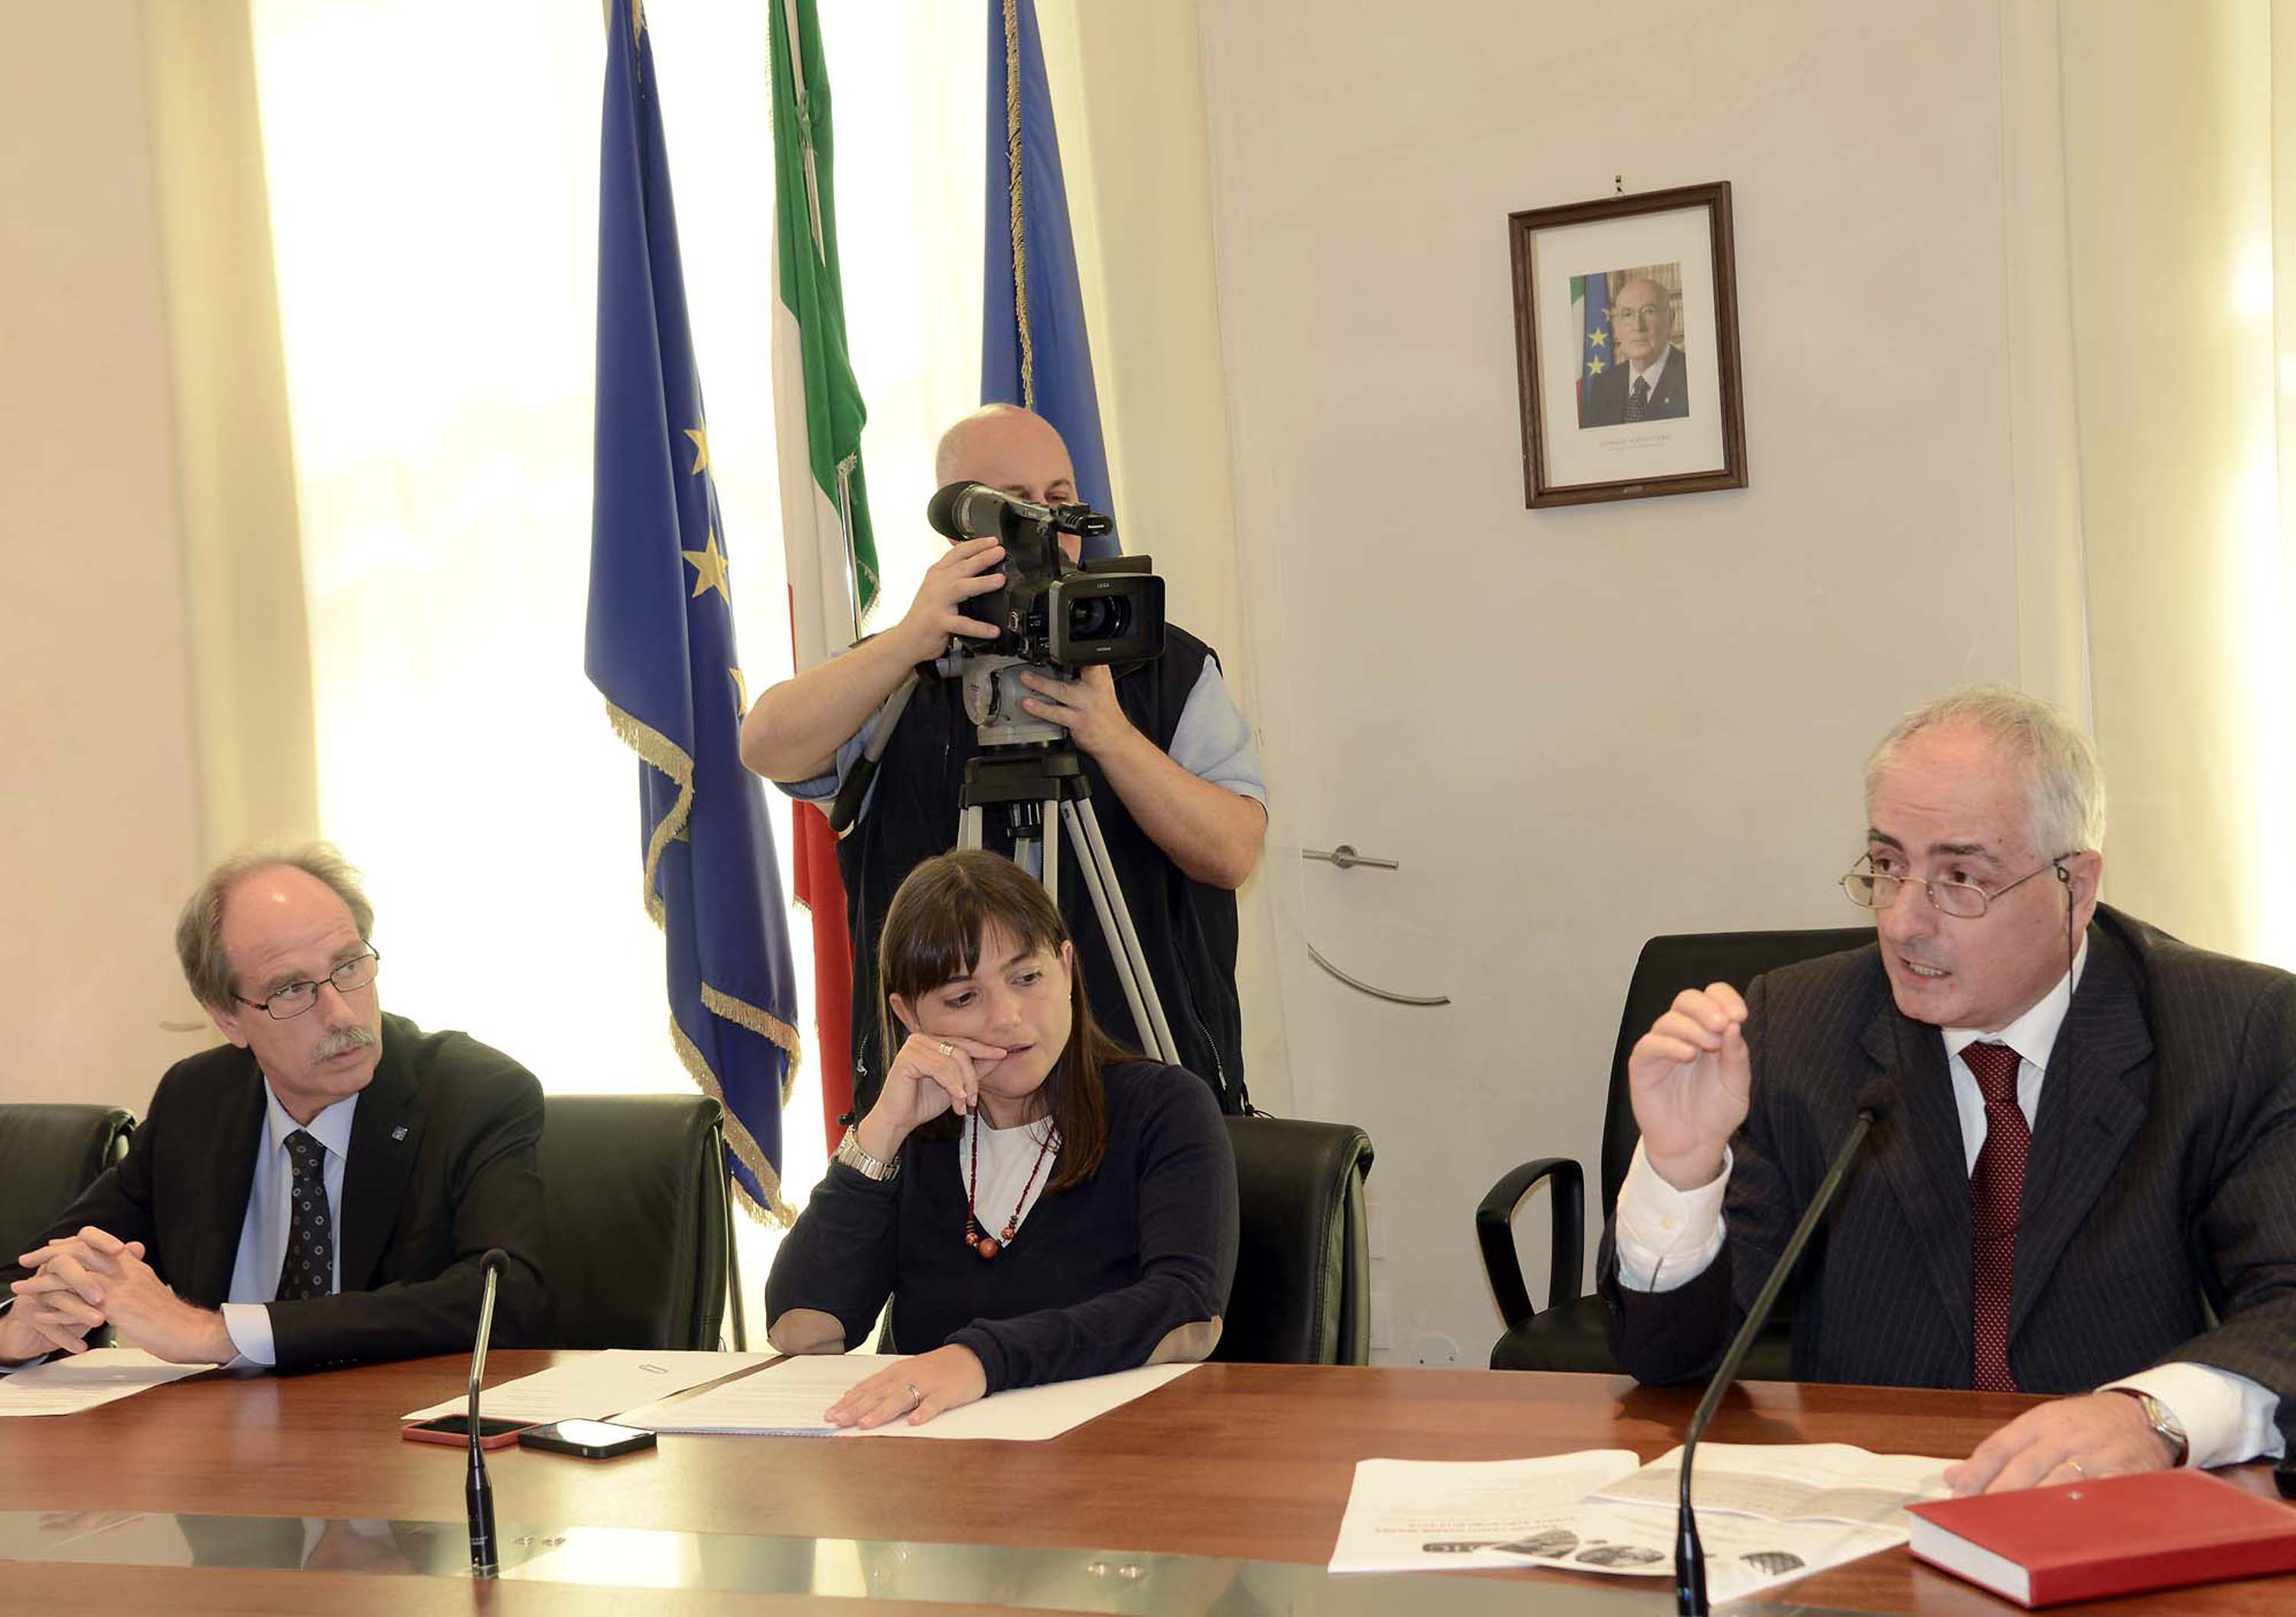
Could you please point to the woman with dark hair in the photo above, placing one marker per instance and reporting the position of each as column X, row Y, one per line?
column 1038, row 1202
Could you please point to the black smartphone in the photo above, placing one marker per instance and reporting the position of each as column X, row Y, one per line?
column 592, row 1439
column 456, row 1429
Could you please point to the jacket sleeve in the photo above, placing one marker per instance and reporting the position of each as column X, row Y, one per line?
column 1187, row 1203
column 494, row 1192
column 838, row 1258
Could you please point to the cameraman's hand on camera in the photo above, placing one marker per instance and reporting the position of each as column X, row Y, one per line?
column 969, row 569
column 931, row 1074
column 1087, row 706
column 1689, row 1078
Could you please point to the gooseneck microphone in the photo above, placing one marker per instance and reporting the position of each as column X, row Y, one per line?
column 478, row 1492
column 1875, row 1102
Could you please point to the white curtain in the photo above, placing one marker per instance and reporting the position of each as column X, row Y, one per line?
column 432, row 173
column 2180, row 188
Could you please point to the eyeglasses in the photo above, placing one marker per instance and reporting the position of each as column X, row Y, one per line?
column 292, row 1001
column 1644, row 314
column 1871, row 888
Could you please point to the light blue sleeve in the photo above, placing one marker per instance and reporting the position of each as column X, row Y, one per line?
column 823, row 788
column 1213, row 742
column 249, row 1324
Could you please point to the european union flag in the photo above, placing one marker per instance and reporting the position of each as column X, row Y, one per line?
column 1592, row 294
column 660, row 645
column 1034, row 350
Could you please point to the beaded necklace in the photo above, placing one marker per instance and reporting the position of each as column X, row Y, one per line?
column 985, row 1244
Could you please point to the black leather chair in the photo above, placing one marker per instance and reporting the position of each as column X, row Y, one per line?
column 48, row 1155
column 639, row 1210
column 1573, row 1332
column 1302, row 1293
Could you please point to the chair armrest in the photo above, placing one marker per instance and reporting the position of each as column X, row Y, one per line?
column 1494, row 1233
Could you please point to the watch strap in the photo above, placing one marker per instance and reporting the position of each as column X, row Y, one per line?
column 851, row 1152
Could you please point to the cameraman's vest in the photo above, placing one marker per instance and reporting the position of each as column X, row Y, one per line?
column 1187, row 930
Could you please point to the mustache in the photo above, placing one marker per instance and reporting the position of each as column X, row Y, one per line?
column 341, row 1043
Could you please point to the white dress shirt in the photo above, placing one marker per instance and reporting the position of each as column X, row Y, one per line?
column 1666, row 1237
column 263, row 1232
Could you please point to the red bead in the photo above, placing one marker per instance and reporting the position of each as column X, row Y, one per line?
column 987, row 1246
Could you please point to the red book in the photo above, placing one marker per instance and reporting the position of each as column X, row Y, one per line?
column 2116, row 1536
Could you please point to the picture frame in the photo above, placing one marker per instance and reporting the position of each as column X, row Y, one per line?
column 1626, row 318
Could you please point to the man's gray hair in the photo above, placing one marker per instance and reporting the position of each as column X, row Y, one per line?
column 2064, row 783
column 199, row 930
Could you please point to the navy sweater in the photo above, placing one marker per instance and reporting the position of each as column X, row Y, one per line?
column 1097, row 1276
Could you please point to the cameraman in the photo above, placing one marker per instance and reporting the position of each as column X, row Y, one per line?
column 1174, row 773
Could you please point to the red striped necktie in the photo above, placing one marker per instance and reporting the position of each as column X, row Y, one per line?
column 1994, row 1189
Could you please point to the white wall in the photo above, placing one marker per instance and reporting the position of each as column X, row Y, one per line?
column 101, row 827
column 1588, row 724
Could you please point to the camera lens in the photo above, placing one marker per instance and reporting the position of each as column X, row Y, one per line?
column 1099, row 618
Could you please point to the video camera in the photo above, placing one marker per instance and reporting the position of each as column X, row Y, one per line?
column 1053, row 610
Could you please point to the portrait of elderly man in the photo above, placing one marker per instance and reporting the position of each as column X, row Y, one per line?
column 1647, row 378
column 2087, row 1186
column 319, row 1190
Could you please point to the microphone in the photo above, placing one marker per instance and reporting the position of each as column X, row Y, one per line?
column 478, row 1492
column 1875, row 1102
column 975, row 511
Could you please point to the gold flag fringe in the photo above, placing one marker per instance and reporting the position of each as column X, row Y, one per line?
column 661, row 753
column 1013, row 173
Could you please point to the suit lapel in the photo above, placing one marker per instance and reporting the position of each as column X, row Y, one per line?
column 386, row 1132
column 237, row 1124
column 1922, row 1155
column 2093, row 1101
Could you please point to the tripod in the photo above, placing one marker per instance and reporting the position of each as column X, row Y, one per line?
column 1041, row 786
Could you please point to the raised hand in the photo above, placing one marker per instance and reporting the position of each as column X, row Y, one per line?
column 969, row 569
column 1689, row 1077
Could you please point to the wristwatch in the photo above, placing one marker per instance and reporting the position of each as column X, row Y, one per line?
column 851, row 1152
column 2165, row 1426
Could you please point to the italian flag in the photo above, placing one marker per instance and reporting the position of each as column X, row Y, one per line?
column 826, row 537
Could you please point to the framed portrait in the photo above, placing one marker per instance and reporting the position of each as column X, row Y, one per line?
column 1626, row 321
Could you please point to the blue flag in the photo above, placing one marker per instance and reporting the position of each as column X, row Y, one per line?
column 1034, row 350
column 1592, row 294
column 660, row 646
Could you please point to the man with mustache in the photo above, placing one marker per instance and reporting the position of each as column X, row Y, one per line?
column 319, row 1191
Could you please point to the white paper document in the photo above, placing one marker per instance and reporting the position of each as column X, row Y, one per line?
column 787, row 1401
column 100, row 1375
column 595, row 1386
column 1767, row 1512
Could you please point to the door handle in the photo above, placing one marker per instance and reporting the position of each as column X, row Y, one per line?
column 1348, row 859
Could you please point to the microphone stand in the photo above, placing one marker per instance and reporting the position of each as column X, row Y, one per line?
column 478, row 1492
column 1689, row 1556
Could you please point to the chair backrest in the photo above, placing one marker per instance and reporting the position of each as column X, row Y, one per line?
column 635, row 1196
column 1302, row 1293
column 48, row 1155
column 1691, row 960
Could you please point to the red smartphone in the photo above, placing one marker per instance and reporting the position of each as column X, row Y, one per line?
column 454, row 1430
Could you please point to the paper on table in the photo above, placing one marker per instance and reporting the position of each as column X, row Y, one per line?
column 787, row 1401
column 1442, row 1515
column 100, row 1375
column 596, row 1386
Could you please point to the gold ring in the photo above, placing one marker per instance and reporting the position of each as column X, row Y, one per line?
column 2078, row 1470
column 947, row 1049
column 915, row 1397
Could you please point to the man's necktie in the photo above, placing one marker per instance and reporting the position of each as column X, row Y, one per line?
column 1639, row 400
column 310, row 1270
column 1994, row 1192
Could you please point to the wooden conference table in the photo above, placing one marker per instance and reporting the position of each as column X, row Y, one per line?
column 1230, row 1463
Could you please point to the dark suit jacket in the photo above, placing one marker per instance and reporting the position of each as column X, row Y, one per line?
column 441, row 1167
column 2160, row 1186
column 1604, row 402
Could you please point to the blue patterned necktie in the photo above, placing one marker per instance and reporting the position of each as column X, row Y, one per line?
column 310, row 1270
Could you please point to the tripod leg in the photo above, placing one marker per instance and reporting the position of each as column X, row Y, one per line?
column 1116, row 926
column 1052, row 867
column 968, row 827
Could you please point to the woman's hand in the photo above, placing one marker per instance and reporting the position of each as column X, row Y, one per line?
column 946, row 1378
column 929, row 1075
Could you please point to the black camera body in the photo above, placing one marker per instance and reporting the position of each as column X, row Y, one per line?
column 1051, row 610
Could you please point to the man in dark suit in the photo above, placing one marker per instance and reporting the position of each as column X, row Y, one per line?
column 2092, row 1153
column 319, row 1191
column 1646, row 379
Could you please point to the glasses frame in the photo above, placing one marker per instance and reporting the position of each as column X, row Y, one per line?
column 264, row 1005
column 1929, row 885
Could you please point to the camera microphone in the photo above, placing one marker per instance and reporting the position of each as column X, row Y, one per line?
column 1874, row 1102
column 975, row 511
